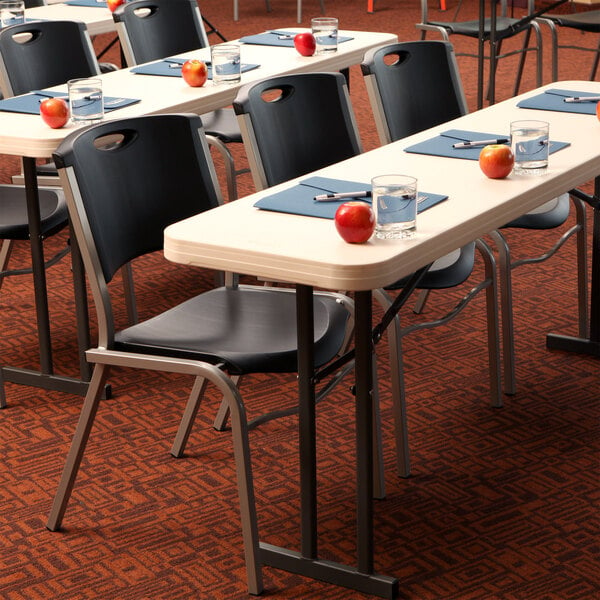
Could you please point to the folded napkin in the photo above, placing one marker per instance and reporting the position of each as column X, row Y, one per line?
column 30, row 103
column 554, row 99
column 441, row 145
column 299, row 199
column 93, row 3
column 279, row 38
column 171, row 67
column 13, row 21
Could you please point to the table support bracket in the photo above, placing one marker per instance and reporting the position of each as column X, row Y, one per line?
column 328, row 571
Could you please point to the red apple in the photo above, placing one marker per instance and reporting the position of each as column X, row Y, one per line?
column 355, row 221
column 598, row 110
column 112, row 4
column 496, row 160
column 305, row 43
column 55, row 112
column 194, row 72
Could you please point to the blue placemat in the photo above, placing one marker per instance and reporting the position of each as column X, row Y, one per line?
column 554, row 99
column 171, row 67
column 441, row 145
column 17, row 22
column 30, row 103
column 299, row 199
column 279, row 38
column 92, row 3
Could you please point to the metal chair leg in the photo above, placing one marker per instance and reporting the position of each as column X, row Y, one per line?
column 189, row 416
column 82, row 433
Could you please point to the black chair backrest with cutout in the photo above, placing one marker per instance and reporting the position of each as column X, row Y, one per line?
column 154, row 29
column 296, row 124
column 217, row 336
column 43, row 54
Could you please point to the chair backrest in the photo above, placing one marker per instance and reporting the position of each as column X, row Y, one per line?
column 295, row 124
column 412, row 86
column 34, row 3
column 153, row 29
column 41, row 54
column 125, row 181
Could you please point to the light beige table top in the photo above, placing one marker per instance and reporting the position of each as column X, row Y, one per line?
column 98, row 20
column 238, row 237
column 28, row 135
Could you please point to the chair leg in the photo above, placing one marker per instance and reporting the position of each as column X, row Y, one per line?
column 82, row 433
column 419, row 306
column 2, row 391
column 595, row 64
column 229, row 165
column 398, row 389
column 493, row 325
column 189, row 416
column 5, row 252
column 220, row 422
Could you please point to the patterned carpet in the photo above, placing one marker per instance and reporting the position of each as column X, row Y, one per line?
column 502, row 503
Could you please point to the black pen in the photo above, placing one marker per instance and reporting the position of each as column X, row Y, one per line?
column 582, row 99
column 333, row 197
column 474, row 144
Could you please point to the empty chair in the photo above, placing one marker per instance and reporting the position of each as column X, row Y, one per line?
column 154, row 29
column 268, row 116
column 506, row 27
column 586, row 22
column 428, row 69
column 217, row 336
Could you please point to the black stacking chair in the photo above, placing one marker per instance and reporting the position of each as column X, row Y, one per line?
column 267, row 111
column 218, row 335
column 506, row 27
column 34, row 56
column 423, row 67
column 154, row 29
column 586, row 22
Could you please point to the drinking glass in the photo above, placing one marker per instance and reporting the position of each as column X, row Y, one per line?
column 325, row 31
column 530, row 145
column 226, row 66
column 85, row 100
column 12, row 12
column 395, row 205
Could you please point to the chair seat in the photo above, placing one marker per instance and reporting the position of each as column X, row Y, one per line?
column 252, row 328
column 223, row 125
column 551, row 214
column 585, row 21
column 471, row 28
column 451, row 270
column 13, row 212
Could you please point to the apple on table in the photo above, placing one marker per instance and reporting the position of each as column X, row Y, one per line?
column 305, row 43
column 496, row 160
column 355, row 221
column 54, row 112
column 112, row 4
column 194, row 72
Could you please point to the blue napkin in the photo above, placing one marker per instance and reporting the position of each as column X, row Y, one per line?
column 554, row 99
column 171, row 67
column 30, row 103
column 299, row 199
column 19, row 22
column 272, row 38
column 441, row 145
column 93, row 3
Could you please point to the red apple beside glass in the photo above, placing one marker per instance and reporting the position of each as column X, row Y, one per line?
column 305, row 43
column 194, row 72
column 496, row 161
column 355, row 221
column 54, row 112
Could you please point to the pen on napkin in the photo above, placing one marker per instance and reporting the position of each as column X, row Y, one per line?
column 578, row 99
column 333, row 197
column 476, row 143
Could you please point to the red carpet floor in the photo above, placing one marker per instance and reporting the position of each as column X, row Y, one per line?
column 502, row 503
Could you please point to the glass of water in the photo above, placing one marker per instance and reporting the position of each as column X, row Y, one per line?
column 530, row 145
column 325, row 32
column 226, row 65
column 395, row 205
column 85, row 100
